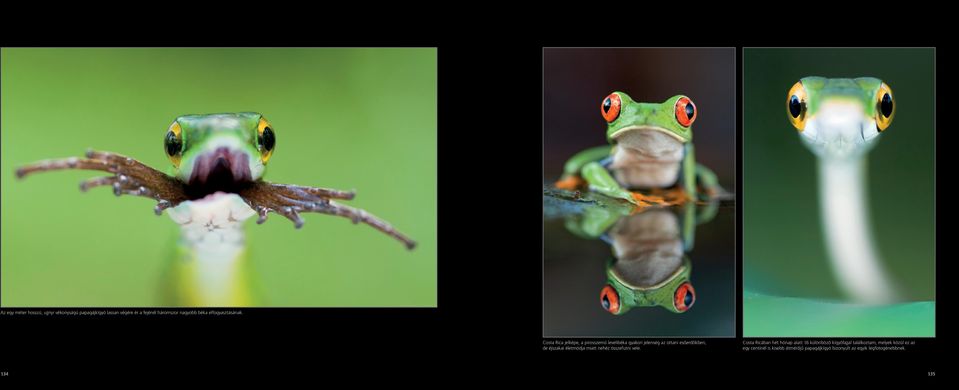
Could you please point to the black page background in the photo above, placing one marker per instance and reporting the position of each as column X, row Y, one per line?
column 489, row 319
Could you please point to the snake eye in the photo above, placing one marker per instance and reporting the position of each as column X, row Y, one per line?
column 265, row 139
column 609, row 298
column 885, row 107
column 796, row 106
column 685, row 111
column 684, row 298
column 173, row 143
column 610, row 107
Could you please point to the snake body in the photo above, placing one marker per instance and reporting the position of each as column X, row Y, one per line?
column 840, row 121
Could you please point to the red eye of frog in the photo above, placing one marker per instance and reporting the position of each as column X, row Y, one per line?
column 685, row 297
column 609, row 299
column 610, row 107
column 685, row 111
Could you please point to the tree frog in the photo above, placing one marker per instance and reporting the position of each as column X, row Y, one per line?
column 651, row 148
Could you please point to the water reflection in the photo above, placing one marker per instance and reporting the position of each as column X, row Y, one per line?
column 649, row 265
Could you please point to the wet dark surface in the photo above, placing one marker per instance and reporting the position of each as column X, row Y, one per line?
column 575, row 273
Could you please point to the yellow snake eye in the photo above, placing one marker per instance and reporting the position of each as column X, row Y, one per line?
column 796, row 106
column 885, row 107
column 265, row 140
column 173, row 143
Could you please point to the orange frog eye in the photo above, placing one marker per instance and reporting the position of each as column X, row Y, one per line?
column 609, row 298
column 685, row 111
column 610, row 107
column 685, row 297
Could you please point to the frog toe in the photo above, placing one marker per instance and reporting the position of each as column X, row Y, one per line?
column 569, row 183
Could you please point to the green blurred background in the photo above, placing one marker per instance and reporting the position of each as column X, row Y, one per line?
column 345, row 118
column 783, row 249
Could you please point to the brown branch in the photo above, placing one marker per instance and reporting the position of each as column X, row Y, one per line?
column 130, row 177
column 290, row 200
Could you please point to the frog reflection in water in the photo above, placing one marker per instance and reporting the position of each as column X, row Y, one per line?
column 649, row 266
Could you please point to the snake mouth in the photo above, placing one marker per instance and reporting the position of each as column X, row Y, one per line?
column 223, row 169
column 839, row 130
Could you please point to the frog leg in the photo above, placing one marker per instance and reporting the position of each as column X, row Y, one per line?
column 694, row 173
column 569, row 183
column 593, row 222
column 689, row 225
column 601, row 181
column 707, row 180
column 709, row 209
column 689, row 172
column 710, row 184
column 571, row 179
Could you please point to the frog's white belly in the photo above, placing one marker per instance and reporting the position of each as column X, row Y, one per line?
column 647, row 159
